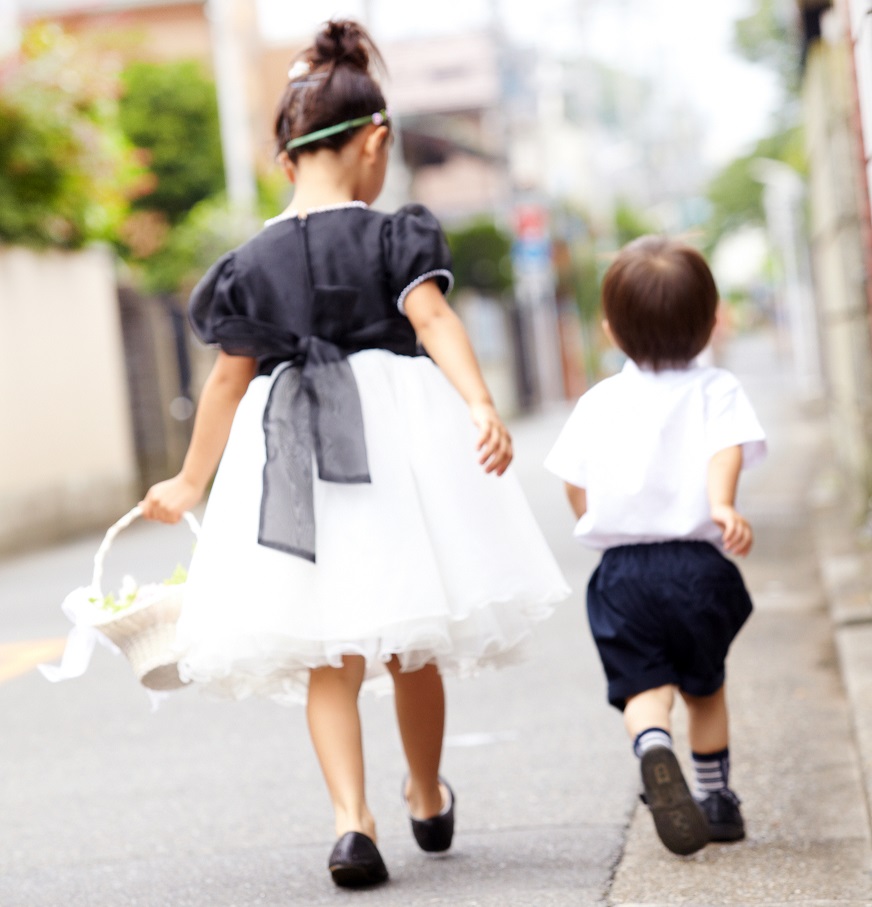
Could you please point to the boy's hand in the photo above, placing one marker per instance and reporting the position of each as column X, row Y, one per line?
column 737, row 534
column 166, row 501
column 494, row 442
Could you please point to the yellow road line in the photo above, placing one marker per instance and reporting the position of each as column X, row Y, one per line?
column 18, row 658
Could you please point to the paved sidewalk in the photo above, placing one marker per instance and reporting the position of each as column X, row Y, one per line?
column 795, row 732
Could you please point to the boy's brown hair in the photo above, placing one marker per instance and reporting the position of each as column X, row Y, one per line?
column 660, row 299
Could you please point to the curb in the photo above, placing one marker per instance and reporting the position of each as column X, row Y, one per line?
column 844, row 555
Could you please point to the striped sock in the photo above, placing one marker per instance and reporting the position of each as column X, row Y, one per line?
column 711, row 772
column 652, row 736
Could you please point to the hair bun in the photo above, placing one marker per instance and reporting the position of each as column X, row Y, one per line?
column 342, row 42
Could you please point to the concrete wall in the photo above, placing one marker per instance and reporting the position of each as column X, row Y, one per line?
column 66, row 452
column 837, row 249
column 860, row 29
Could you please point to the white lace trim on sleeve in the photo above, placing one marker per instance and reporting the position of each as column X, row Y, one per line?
column 441, row 272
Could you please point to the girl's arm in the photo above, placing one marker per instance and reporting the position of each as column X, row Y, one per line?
column 224, row 388
column 577, row 500
column 442, row 334
column 723, row 480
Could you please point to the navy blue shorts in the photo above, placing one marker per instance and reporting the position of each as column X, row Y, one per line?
column 665, row 613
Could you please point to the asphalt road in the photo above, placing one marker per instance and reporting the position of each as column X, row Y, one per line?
column 213, row 804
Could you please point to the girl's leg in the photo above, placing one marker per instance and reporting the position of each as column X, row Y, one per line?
column 334, row 725
column 708, row 725
column 420, row 704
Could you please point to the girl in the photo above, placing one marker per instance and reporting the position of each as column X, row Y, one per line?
column 350, row 533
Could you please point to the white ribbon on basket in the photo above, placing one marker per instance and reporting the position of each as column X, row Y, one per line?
column 79, row 608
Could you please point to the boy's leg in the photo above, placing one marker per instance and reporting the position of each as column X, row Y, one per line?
column 334, row 725
column 680, row 824
column 420, row 704
column 708, row 724
column 708, row 730
column 651, row 709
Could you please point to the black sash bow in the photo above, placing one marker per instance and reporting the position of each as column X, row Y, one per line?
column 312, row 413
column 312, row 408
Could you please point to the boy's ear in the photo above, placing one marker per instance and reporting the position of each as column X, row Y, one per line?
column 608, row 332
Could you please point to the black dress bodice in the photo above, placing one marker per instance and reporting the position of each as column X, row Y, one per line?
column 340, row 274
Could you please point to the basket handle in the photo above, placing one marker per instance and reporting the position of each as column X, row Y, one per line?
column 112, row 533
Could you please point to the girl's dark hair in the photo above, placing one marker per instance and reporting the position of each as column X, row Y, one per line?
column 660, row 299
column 338, row 87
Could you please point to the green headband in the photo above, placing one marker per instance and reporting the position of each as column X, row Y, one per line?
column 379, row 118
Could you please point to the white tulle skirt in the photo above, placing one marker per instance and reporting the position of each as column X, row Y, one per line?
column 434, row 561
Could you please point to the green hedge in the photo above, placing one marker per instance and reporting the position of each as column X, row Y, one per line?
column 66, row 170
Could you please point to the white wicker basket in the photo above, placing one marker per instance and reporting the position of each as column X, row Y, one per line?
column 145, row 630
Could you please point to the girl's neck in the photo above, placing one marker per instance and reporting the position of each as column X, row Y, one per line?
column 304, row 202
column 321, row 183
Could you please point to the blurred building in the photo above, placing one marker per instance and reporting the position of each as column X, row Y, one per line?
column 164, row 29
column 837, row 94
column 447, row 96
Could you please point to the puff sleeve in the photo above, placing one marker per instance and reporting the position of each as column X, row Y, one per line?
column 214, row 300
column 416, row 250
column 222, row 312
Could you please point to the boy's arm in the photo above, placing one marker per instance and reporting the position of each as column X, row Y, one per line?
column 723, row 480
column 577, row 500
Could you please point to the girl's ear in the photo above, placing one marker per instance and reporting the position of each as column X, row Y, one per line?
column 608, row 331
column 375, row 141
column 288, row 166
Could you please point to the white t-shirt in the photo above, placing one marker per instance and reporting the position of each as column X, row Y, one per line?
column 639, row 443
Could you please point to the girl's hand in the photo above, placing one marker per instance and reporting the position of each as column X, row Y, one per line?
column 494, row 442
column 737, row 535
column 168, row 500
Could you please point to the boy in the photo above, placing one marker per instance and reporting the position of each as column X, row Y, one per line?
column 651, row 460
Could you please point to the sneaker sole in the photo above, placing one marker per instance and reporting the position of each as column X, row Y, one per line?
column 679, row 821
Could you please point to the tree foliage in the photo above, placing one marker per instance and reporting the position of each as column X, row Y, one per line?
column 170, row 111
column 765, row 37
column 66, row 171
column 736, row 193
column 630, row 223
column 481, row 254
column 210, row 229
column 768, row 37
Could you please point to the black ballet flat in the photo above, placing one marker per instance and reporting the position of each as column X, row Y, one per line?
column 434, row 835
column 355, row 862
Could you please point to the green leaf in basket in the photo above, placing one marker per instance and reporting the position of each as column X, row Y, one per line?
column 109, row 603
column 179, row 576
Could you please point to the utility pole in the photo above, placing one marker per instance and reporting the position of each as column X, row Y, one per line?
column 538, row 327
column 398, row 180
column 230, row 35
column 10, row 29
